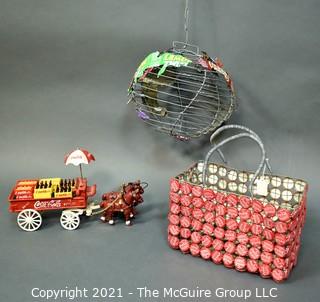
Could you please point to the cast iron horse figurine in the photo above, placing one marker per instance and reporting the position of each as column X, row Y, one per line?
column 124, row 201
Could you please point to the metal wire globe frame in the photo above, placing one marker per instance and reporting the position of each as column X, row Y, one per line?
column 186, row 101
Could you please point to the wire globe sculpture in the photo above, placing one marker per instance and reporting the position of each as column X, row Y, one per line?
column 182, row 92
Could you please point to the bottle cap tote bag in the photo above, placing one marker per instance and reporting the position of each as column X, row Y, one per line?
column 243, row 220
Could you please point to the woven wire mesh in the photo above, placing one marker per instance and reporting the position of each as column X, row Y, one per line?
column 184, row 101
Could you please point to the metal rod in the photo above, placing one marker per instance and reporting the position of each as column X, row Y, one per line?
column 141, row 95
column 210, row 96
column 81, row 171
column 186, row 21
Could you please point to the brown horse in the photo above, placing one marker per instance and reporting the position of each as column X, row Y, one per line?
column 124, row 201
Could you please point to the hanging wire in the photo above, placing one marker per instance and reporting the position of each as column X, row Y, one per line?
column 186, row 21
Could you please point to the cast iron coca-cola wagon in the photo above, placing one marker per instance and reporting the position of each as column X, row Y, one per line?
column 31, row 197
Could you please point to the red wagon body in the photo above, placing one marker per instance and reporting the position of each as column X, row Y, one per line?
column 29, row 199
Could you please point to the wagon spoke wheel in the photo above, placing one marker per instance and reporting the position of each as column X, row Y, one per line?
column 69, row 220
column 29, row 220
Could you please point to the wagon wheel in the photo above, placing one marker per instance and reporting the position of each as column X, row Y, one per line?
column 69, row 220
column 29, row 220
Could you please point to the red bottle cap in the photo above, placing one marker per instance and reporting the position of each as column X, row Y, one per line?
column 208, row 229
column 185, row 188
column 257, row 205
column 255, row 240
column 283, row 214
column 205, row 253
column 196, row 237
column 280, row 251
column 290, row 266
column 174, row 208
column 197, row 202
column 281, row 227
column 245, row 201
column 240, row 263
column 232, row 212
column 185, row 233
column 185, row 221
column 174, row 197
column 280, row 239
column 206, row 241
column 278, row 275
column 268, row 223
column 279, row 263
column 174, row 229
column 244, row 227
column 242, row 250
column 256, row 218
column 254, row 253
column 252, row 266
column 197, row 214
column 264, row 270
column 209, row 217
column 293, row 225
column 266, row 257
column 208, row 194
column 267, row 246
column 184, row 245
column 194, row 249
column 220, row 210
column 228, row 260
column 220, row 221
column 209, row 206
column 173, row 219
column 231, row 224
column 229, row 247
column 173, row 241
column 197, row 191
column 216, row 257
column 217, row 244
column 291, row 237
column 220, row 198
column 242, row 238
column 186, row 200
column 244, row 214
column 186, row 211
column 230, row 235
column 196, row 225
column 287, row 263
column 232, row 200
column 256, row 229
column 268, row 234
column 269, row 210
column 174, row 185
column 219, row 233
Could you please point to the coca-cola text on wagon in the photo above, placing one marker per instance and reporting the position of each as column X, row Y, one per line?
column 51, row 204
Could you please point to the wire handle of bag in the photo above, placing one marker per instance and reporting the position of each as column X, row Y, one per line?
column 247, row 133
column 242, row 128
